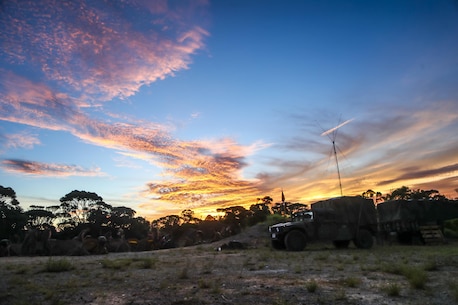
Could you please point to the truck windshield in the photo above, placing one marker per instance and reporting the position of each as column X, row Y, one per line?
column 302, row 216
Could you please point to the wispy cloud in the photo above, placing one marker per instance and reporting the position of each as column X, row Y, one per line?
column 47, row 169
column 19, row 140
column 101, row 51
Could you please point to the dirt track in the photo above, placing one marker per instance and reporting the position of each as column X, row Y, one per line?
column 258, row 275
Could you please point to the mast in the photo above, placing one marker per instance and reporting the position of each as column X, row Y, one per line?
column 337, row 164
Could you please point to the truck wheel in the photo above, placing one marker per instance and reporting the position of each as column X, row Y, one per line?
column 364, row 239
column 278, row 245
column 341, row 244
column 295, row 241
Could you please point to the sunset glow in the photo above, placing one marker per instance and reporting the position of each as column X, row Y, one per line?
column 163, row 106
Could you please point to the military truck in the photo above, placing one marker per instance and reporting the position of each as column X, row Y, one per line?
column 416, row 221
column 340, row 220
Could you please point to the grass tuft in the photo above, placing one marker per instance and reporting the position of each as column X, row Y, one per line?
column 392, row 290
column 60, row 265
column 311, row 286
column 116, row 264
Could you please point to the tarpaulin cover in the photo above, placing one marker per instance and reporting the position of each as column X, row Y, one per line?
column 422, row 211
column 350, row 209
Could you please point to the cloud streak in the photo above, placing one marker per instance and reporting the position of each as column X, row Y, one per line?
column 40, row 169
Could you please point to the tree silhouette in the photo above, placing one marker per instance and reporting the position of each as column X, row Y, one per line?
column 12, row 219
column 260, row 211
column 39, row 217
column 188, row 217
column 401, row 193
column 76, row 205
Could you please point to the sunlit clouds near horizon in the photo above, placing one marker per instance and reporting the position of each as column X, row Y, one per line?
column 170, row 105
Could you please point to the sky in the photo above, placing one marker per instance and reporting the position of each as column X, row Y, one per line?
column 163, row 106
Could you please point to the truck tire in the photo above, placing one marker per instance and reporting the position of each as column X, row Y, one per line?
column 364, row 239
column 295, row 241
column 341, row 244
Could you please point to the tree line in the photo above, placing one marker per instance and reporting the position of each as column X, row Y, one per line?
column 82, row 210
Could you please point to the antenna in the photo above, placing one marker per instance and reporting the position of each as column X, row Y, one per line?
column 332, row 135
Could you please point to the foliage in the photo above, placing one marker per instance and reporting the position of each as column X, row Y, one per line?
column 39, row 217
column 404, row 193
column 288, row 208
column 260, row 211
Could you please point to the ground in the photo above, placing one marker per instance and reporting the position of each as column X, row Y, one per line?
column 257, row 275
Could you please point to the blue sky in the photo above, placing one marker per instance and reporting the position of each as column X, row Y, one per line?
column 168, row 105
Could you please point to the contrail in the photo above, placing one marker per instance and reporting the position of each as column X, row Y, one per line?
column 338, row 126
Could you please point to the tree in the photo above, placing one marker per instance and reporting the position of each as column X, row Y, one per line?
column 260, row 211
column 188, row 217
column 235, row 217
column 404, row 193
column 375, row 196
column 139, row 227
column 401, row 193
column 427, row 194
column 39, row 217
column 297, row 207
column 167, row 222
column 12, row 218
column 121, row 217
column 76, row 205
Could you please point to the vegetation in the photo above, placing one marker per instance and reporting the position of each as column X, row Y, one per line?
column 201, row 275
column 59, row 265
column 83, row 211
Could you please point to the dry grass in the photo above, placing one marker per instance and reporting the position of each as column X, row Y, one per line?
column 259, row 275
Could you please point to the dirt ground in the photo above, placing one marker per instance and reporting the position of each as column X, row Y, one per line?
column 256, row 275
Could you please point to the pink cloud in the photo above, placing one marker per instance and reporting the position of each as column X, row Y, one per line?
column 21, row 140
column 105, row 50
column 47, row 169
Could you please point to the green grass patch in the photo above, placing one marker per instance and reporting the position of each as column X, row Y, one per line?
column 416, row 276
column 60, row 265
column 311, row 286
column 116, row 264
column 392, row 290
column 352, row 282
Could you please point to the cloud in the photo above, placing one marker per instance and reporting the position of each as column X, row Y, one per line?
column 19, row 140
column 196, row 173
column 47, row 169
column 87, row 54
column 412, row 173
column 102, row 50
